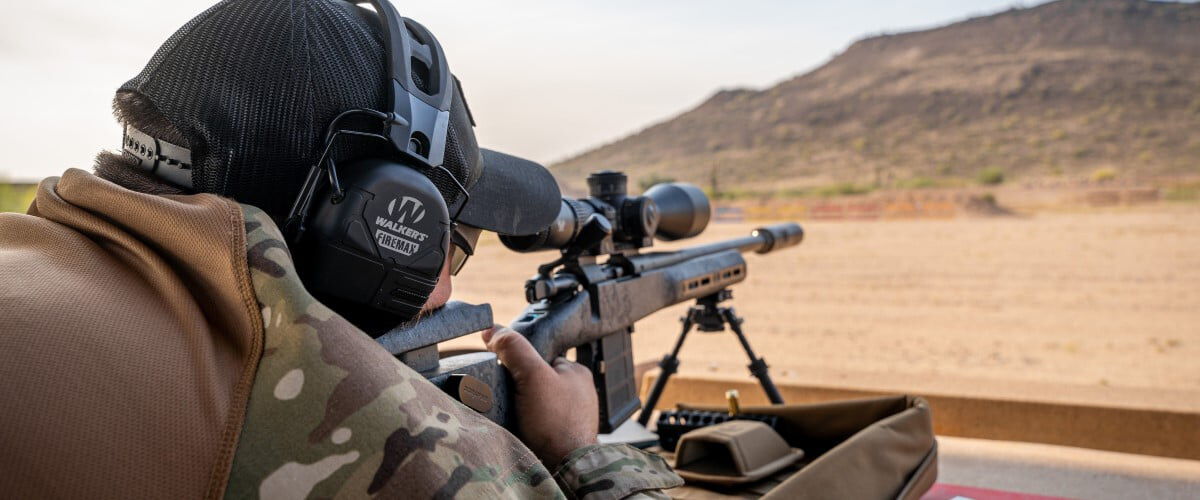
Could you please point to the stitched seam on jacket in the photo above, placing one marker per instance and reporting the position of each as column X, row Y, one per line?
column 240, row 398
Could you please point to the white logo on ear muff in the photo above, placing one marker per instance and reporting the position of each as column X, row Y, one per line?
column 409, row 207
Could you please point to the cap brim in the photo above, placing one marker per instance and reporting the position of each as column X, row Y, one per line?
column 513, row 196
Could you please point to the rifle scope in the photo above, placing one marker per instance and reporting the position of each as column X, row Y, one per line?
column 668, row 211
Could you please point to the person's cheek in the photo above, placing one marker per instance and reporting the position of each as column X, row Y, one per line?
column 441, row 292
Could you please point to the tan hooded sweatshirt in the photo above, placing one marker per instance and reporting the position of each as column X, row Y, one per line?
column 122, row 316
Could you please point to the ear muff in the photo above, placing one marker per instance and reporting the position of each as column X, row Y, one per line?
column 377, row 233
column 383, row 244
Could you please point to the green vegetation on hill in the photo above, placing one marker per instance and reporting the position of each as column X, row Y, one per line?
column 991, row 176
column 1066, row 88
column 16, row 197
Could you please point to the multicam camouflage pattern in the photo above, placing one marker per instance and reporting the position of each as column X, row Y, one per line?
column 333, row 415
column 600, row 471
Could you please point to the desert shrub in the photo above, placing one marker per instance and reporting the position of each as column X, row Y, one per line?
column 734, row 194
column 918, row 183
column 990, row 176
column 842, row 189
column 795, row 192
column 1183, row 192
column 648, row 181
column 1104, row 174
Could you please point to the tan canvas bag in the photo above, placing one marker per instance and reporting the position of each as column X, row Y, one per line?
column 876, row 448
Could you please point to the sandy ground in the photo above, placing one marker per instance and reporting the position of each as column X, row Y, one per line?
column 1102, row 307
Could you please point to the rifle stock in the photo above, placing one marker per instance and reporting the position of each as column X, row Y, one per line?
column 596, row 316
column 603, row 308
column 589, row 307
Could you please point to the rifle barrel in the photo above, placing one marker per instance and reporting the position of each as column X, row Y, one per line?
column 762, row 240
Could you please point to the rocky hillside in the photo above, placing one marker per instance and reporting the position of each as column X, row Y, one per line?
column 1064, row 89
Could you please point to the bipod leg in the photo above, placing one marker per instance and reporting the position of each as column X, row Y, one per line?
column 668, row 366
column 758, row 366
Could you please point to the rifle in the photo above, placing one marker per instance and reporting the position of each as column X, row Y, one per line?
column 578, row 302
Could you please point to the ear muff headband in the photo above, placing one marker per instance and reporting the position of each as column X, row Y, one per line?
column 425, row 104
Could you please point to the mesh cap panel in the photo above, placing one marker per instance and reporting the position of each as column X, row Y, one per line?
column 252, row 84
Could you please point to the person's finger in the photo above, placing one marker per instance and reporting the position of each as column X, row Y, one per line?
column 490, row 332
column 565, row 366
column 517, row 354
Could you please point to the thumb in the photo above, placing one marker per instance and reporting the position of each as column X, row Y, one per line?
column 517, row 354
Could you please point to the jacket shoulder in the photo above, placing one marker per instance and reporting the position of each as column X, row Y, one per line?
column 332, row 413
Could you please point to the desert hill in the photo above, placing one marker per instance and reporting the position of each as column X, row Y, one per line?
column 1057, row 90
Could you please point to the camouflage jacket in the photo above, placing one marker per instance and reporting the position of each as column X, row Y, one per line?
column 332, row 415
column 161, row 346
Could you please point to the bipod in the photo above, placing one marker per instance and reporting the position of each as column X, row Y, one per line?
column 707, row 315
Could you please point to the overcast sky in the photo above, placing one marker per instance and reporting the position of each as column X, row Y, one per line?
column 545, row 79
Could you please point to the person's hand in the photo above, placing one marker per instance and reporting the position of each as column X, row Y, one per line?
column 557, row 408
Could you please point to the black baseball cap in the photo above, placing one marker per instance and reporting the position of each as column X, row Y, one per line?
column 253, row 84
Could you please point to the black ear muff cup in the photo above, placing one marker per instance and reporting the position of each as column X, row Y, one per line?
column 384, row 244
